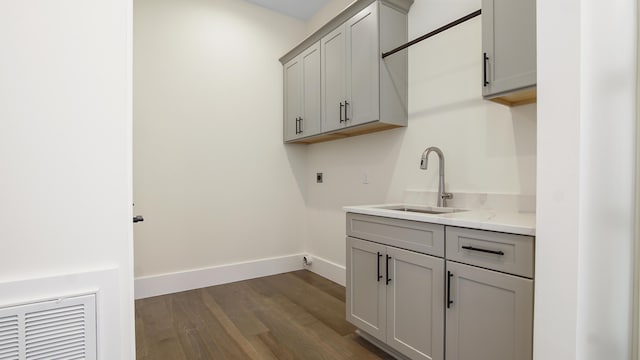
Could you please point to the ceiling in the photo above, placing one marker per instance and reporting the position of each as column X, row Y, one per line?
column 300, row 9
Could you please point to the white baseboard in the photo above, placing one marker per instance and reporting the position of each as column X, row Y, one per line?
column 162, row 284
column 327, row 269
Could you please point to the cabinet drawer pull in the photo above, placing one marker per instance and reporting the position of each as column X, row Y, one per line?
column 297, row 119
column 300, row 126
column 388, row 278
column 449, row 301
column 484, row 69
column 379, row 276
column 496, row 252
column 346, row 116
column 341, row 106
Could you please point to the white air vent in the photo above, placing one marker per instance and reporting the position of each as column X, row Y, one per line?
column 9, row 335
column 62, row 329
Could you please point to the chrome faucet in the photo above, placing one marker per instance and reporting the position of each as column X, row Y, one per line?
column 442, row 196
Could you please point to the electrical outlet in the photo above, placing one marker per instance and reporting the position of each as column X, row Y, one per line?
column 319, row 178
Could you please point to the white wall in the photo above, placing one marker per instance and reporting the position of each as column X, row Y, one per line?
column 636, row 303
column 212, row 177
column 326, row 13
column 65, row 157
column 607, row 161
column 206, row 167
column 558, row 205
column 586, row 131
column 488, row 148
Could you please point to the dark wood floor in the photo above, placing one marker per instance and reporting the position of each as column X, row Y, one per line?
column 297, row 315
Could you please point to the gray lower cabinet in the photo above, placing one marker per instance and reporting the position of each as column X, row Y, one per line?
column 509, row 50
column 397, row 296
column 414, row 304
column 366, row 291
column 489, row 315
column 429, row 291
column 302, row 95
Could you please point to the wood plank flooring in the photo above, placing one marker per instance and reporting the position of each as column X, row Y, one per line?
column 297, row 315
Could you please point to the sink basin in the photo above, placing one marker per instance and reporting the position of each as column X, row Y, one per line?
column 423, row 209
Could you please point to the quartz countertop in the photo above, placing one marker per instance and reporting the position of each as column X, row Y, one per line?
column 501, row 221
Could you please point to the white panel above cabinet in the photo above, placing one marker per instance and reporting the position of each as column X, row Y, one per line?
column 359, row 91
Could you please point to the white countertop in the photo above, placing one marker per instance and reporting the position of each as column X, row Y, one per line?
column 508, row 222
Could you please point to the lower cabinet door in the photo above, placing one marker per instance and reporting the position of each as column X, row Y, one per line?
column 415, row 304
column 366, row 295
column 489, row 315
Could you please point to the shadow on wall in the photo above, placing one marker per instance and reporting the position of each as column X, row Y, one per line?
column 297, row 156
column 471, row 103
column 525, row 137
column 356, row 170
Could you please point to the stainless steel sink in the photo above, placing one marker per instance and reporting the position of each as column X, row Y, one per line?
column 423, row 209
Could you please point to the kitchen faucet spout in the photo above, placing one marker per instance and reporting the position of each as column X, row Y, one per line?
column 424, row 161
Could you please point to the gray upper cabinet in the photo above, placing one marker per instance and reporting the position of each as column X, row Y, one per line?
column 363, row 67
column 359, row 91
column 302, row 95
column 334, row 80
column 509, row 51
column 292, row 96
column 350, row 72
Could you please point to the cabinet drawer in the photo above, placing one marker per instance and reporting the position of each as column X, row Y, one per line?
column 508, row 253
column 411, row 235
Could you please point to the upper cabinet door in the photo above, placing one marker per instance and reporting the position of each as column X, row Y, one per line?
column 292, row 98
column 302, row 95
column 363, row 67
column 333, row 52
column 509, row 45
column 309, row 123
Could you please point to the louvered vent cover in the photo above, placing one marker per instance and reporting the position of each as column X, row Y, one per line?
column 63, row 329
column 9, row 335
